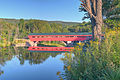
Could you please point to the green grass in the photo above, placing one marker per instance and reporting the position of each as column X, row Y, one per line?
column 51, row 44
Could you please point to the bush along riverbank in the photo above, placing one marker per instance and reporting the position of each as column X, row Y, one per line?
column 92, row 61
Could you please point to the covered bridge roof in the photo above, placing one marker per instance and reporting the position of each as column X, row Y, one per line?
column 61, row 33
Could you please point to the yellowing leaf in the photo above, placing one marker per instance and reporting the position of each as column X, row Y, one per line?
column 69, row 68
column 58, row 73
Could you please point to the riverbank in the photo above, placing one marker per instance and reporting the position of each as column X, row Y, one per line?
column 24, row 42
column 97, row 61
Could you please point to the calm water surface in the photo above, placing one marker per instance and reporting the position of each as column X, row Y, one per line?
column 20, row 64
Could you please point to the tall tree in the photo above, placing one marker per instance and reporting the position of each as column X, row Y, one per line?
column 93, row 9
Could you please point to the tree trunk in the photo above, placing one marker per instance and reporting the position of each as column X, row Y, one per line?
column 99, row 20
column 94, row 31
column 93, row 21
column 94, row 9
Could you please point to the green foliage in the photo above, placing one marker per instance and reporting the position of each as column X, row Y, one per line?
column 51, row 44
column 111, row 8
column 6, row 33
column 83, row 27
column 92, row 61
column 113, row 22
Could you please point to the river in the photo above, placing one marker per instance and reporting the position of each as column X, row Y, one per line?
column 20, row 64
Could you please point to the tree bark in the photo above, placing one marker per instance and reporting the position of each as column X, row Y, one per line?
column 94, row 30
column 99, row 20
column 93, row 21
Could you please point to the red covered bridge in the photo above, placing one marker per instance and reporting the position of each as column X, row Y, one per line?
column 59, row 36
column 65, row 37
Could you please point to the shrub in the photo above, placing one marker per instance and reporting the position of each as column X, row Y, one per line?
column 92, row 61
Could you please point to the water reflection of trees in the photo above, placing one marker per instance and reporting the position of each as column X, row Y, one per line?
column 7, row 53
column 33, row 57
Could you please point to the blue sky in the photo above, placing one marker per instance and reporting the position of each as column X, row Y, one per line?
column 51, row 10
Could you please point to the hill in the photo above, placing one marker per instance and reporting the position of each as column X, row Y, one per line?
column 14, row 21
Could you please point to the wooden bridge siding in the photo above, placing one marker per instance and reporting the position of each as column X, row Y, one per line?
column 59, row 37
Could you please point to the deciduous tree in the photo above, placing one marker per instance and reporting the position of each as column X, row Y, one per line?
column 93, row 9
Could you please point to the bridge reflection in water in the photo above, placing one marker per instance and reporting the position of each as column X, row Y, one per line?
column 51, row 49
